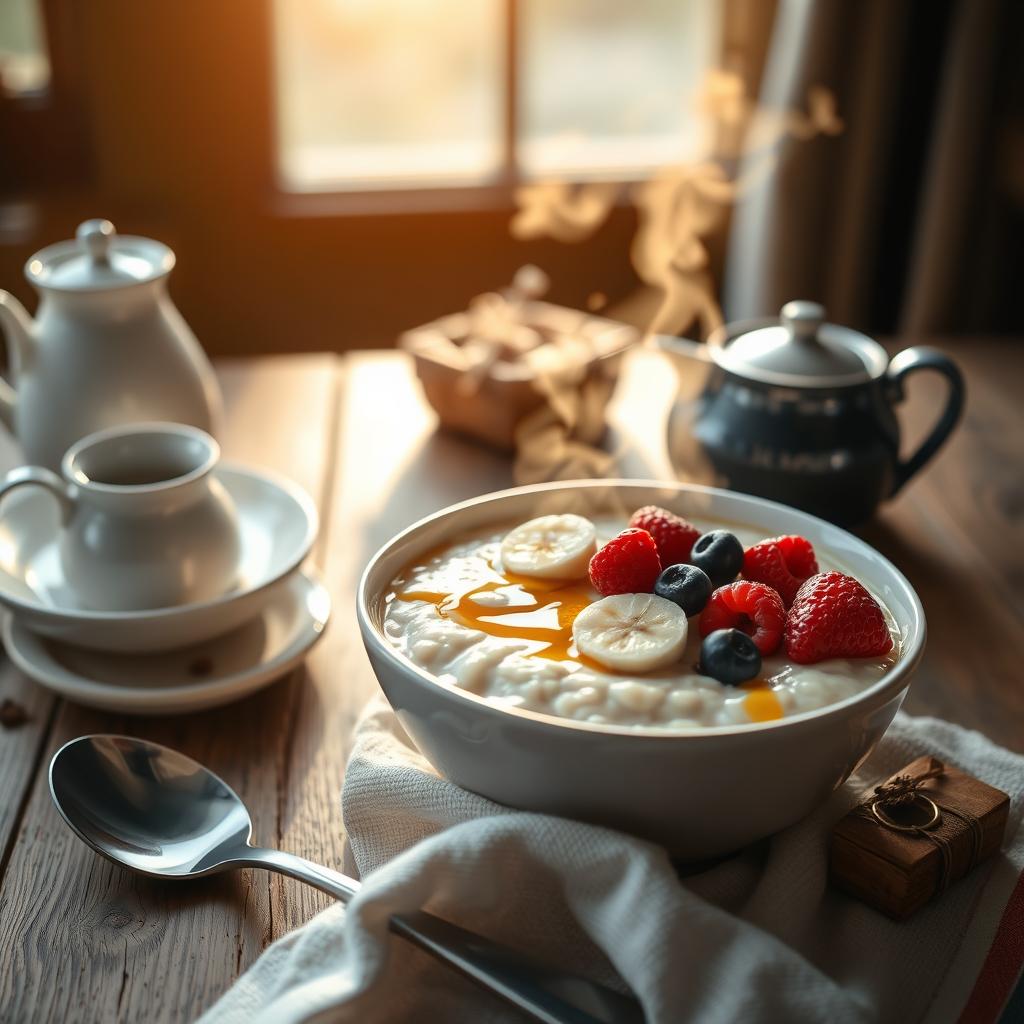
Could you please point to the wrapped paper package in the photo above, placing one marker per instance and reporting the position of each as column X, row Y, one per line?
column 512, row 369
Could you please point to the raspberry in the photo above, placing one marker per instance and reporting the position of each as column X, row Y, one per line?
column 782, row 562
column 627, row 564
column 833, row 616
column 754, row 608
column 673, row 534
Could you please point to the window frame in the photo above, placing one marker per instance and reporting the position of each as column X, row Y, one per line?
column 498, row 190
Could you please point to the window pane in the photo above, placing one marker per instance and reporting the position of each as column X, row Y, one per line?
column 24, row 63
column 379, row 93
column 611, row 85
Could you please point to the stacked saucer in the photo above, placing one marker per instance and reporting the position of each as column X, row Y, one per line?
column 183, row 657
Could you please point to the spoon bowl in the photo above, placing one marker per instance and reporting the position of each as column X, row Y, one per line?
column 149, row 808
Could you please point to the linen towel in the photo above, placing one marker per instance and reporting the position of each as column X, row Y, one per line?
column 757, row 937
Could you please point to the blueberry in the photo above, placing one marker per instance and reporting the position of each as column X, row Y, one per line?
column 720, row 555
column 729, row 656
column 686, row 585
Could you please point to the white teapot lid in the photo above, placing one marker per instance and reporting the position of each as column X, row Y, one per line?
column 97, row 259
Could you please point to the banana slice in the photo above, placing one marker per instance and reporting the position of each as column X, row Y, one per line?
column 631, row 632
column 551, row 547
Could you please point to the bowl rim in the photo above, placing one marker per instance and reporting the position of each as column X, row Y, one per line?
column 885, row 687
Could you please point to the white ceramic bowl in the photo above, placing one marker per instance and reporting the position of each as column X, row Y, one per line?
column 700, row 793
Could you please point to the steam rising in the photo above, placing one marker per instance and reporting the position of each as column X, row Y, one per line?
column 681, row 206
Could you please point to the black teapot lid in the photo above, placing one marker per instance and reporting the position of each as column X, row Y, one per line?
column 798, row 350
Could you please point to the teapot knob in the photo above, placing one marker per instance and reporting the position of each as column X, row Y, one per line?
column 95, row 236
column 802, row 318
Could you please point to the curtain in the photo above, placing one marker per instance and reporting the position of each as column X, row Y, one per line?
column 910, row 220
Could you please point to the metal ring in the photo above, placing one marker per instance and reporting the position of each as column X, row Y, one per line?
column 936, row 815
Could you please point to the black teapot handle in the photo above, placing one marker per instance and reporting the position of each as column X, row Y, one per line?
column 920, row 357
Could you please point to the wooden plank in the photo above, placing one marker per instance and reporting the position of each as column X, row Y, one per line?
column 21, row 746
column 132, row 949
column 129, row 948
column 957, row 532
column 391, row 469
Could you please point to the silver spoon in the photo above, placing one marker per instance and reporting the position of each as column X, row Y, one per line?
column 162, row 814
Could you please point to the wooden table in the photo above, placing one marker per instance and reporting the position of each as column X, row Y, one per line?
column 82, row 940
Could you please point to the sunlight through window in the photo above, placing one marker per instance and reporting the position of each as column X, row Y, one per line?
column 414, row 93
column 379, row 93
column 610, row 86
column 24, row 61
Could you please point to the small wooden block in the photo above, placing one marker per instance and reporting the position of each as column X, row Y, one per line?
column 899, row 872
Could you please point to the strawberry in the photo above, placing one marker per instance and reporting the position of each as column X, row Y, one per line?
column 784, row 563
column 754, row 608
column 833, row 616
column 627, row 564
column 673, row 534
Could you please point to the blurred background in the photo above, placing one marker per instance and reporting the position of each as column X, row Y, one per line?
column 333, row 172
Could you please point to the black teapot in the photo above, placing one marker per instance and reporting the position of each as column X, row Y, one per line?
column 801, row 411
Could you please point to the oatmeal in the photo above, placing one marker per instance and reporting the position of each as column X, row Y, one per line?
column 509, row 637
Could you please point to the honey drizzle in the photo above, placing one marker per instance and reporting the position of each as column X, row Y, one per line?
column 543, row 612
column 539, row 611
column 761, row 704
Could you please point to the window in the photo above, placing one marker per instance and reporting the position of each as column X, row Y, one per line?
column 416, row 93
column 386, row 91
column 24, row 62
column 399, row 130
column 610, row 85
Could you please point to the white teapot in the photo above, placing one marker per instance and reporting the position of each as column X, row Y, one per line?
column 107, row 346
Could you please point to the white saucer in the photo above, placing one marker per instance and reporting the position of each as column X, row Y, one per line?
column 191, row 679
column 278, row 525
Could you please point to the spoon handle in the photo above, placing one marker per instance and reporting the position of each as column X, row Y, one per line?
column 334, row 883
column 545, row 994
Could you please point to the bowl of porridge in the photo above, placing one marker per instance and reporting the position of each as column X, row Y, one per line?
column 697, row 667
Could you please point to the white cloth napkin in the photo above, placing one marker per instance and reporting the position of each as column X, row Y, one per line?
column 758, row 937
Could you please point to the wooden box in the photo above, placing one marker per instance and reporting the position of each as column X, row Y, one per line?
column 898, row 872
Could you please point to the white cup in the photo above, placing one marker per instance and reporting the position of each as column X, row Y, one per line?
column 145, row 524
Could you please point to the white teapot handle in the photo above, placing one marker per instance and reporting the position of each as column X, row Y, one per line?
column 17, row 324
column 41, row 477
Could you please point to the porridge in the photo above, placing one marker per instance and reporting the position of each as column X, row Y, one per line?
column 658, row 622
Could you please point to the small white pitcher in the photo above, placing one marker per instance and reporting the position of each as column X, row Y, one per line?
column 145, row 524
